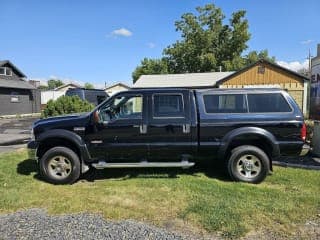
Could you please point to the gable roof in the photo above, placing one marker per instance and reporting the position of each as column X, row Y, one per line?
column 66, row 85
column 14, row 68
column 117, row 84
column 194, row 80
column 15, row 84
column 264, row 61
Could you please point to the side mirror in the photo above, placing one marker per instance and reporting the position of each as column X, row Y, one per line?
column 96, row 117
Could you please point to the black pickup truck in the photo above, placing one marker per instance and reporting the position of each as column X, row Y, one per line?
column 245, row 128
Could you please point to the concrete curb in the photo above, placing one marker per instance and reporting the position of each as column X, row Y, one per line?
column 15, row 142
column 20, row 116
column 294, row 165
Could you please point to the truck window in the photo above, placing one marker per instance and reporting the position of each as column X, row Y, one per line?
column 124, row 107
column 100, row 99
column 225, row 103
column 168, row 105
column 269, row 102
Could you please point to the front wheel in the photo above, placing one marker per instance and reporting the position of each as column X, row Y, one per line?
column 248, row 164
column 60, row 165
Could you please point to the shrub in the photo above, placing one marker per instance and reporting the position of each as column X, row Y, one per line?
column 66, row 105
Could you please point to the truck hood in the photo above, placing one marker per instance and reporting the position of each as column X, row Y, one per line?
column 60, row 118
column 67, row 122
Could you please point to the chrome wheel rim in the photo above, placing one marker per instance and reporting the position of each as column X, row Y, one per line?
column 59, row 167
column 249, row 166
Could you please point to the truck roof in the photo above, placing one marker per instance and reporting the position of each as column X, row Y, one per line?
column 85, row 89
column 202, row 90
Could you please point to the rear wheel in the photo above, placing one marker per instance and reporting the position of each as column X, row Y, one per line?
column 60, row 165
column 248, row 164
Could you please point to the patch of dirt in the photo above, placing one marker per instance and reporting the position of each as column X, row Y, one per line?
column 309, row 230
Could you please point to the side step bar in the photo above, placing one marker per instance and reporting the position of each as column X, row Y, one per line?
column 102, row 164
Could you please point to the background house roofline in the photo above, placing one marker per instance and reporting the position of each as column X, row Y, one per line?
column 4, row 62
column 265, row 62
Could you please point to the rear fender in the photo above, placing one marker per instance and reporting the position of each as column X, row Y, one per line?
column 249, row 131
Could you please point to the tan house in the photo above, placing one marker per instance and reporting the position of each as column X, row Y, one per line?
column 261, row 74
column 115, row 88
column 65, row 87
column 270, row 75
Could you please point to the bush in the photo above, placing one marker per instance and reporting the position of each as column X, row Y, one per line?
column 66, row 105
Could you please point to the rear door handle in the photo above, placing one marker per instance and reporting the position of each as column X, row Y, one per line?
column 186, row 128
column 143, row 128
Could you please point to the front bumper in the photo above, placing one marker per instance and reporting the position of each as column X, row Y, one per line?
column 32, row 150
column 305, row 149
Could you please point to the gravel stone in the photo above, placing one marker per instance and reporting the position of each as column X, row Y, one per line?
column 37, row 224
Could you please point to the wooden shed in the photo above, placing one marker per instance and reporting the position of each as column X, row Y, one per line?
column 270, row 75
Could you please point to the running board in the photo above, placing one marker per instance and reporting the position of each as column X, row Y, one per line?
column 183, row 164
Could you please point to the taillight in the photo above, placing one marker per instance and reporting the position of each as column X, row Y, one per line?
column 303, row 133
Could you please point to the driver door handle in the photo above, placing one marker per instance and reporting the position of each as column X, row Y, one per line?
column 143, row 128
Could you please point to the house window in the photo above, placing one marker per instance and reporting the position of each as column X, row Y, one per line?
column 5, row 71
column 15, row 98
column 8, row 72
column 261, row 69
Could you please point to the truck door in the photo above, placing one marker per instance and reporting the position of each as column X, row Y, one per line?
column 121, row 135
column 169, row 126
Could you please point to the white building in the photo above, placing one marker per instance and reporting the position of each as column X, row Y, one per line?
column 56, row 93
column 191, row 80
column 115, row 88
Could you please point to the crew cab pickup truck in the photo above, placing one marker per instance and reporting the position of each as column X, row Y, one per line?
column 244, row 128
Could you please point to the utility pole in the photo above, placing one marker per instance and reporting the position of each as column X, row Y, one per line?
column 309, row 58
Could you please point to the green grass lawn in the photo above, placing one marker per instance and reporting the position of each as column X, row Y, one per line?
column 204, row 201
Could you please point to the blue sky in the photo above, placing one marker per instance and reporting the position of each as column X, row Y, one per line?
column 103, row 41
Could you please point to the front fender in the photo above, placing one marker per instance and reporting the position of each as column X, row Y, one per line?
column 246, row 131
column 69, row 136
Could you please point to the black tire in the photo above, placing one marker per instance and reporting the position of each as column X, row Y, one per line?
column 248, row 164
column 60, row 165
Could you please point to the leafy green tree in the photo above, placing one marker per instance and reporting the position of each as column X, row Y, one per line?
column 43, row 87
column 150, row 66
column 54, row 83
column 66, row 105
column 246, row 60
column 88, row 85
column 207, row 43
column 254, row 56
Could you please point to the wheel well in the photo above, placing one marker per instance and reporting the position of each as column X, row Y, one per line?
column 56, row 142
column 253, row 140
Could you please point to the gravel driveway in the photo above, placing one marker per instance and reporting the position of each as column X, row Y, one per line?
column 36, row 224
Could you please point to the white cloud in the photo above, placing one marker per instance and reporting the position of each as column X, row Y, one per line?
column 294, row 65
column 151, row 45
column 306, row 42
column 121, row 32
